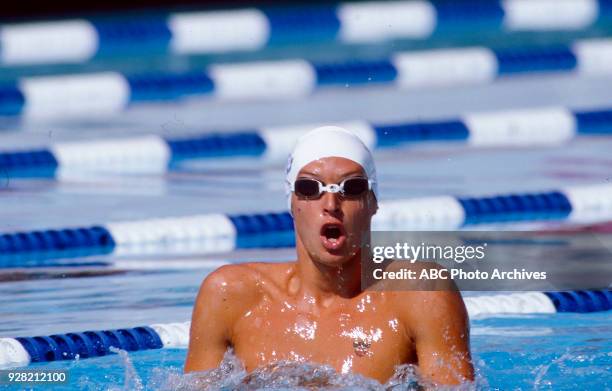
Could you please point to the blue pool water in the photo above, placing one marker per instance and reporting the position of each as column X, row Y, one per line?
column 535, row 352
column 517, row 352
column 560, row 351
column 524, row 352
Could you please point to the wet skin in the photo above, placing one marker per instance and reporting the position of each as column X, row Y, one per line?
column 314, row 309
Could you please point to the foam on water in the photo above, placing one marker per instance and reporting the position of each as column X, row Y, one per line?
column 518, row 352
column 281, row 375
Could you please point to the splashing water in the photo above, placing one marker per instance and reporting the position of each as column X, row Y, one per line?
column 227, row 376
column 132, row 380
column 281, row 375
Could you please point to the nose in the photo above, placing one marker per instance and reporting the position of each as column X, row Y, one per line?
column 331, row 203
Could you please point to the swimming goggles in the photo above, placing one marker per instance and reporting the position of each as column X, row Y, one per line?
column 310, row 188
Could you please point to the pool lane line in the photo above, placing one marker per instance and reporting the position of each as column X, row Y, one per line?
column 66, row 269
column 253, row 29
column 21, row 351
column 106, row 93
column 219, row 233
column 153, row 154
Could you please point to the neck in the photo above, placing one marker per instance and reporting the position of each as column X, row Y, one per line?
column 324, row 282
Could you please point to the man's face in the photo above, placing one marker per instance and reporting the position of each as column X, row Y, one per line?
column 331, row 228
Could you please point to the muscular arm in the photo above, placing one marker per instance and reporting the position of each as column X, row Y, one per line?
column 219, row 303
column 441, row 332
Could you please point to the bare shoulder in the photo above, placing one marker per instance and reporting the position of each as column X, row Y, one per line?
column 241, row 285
column 438, row 305
column 230, row 281
column 429, row 301
column 225, row 295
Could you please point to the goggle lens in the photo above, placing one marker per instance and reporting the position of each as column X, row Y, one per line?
column 307, row 188
column 355, row 187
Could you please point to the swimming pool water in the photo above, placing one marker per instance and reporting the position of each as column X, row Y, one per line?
column 536, row 352
column 539, row 352
column 561, row 351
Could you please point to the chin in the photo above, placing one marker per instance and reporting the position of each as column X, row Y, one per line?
column 334, row 259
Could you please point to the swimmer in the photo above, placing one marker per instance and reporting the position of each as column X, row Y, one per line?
column 314, row 309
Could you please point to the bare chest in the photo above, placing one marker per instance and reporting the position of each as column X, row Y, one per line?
column 368, row 340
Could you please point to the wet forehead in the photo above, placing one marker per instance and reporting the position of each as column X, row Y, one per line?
column 332, row 169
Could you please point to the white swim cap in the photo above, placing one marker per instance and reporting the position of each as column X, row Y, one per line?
column 329, row 141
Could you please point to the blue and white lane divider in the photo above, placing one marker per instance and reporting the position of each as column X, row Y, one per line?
column 154, row 154
column 254, row 29
column 16, row 352
column 219, row 233
column 105, row 93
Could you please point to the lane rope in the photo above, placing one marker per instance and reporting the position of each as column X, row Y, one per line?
column 21, row 351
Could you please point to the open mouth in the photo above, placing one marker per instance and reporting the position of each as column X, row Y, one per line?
column 332, row 236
